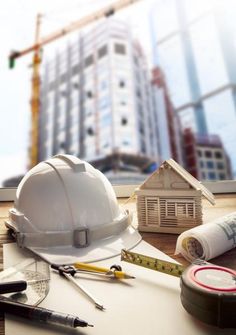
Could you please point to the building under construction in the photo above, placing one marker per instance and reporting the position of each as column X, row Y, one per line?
column 96, row 101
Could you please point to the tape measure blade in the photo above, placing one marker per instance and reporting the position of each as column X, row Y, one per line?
column 152, row 263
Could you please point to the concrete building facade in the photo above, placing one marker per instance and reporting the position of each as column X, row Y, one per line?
column 96, row 101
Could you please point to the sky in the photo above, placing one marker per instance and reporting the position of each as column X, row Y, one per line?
column 17, row 23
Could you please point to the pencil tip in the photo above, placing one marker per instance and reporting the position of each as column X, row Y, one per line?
column 129, row 277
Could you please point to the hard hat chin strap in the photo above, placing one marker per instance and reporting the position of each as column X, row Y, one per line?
column 79, row 238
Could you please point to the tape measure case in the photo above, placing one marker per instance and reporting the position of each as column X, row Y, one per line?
column 208, row 292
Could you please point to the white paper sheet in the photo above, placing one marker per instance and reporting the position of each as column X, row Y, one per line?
column 149, row 304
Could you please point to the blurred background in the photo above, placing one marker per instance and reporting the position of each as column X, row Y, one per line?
column 150, row 80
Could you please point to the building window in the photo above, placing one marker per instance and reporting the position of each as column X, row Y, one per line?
column 52, row 85
column 75, row 69
column 138, row 93
column 88, row 61
column 104, row 102
column 90, row 131
column 102, row 51
column 126, row 142
column 62, row 145
column 143, row 146
column 220, row 165
column 202, row 164
column 141, row 128
column 76, row 86
column 124, row 121
column 210, row 165
column 105, row 145
column 218, row 154
column 121, row 83
column 63, row 77
column 123, row 103
column 89, row 94
column 211, row 176
column 103, row 85
column 64, row 93
column 120, row 49
column 136, row 60
column 208, row 153
column 106, row 120
column 222, row 176
column 140, row 110
column 199, row 153
column 88, row 111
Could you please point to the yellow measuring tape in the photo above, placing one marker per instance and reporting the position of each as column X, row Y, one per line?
column 152, row 263
column 212, row 286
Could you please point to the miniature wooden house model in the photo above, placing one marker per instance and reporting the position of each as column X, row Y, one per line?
column 170, row 200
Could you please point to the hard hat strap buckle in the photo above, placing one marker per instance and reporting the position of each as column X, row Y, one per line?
column 81, row 237
column 20, row 239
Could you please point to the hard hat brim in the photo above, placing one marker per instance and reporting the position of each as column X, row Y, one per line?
column 100, row 250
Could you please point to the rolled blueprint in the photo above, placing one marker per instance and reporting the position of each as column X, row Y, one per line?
column 208, row 240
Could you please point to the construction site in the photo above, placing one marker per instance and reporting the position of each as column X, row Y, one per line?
column 99, row 99
column 95, row 100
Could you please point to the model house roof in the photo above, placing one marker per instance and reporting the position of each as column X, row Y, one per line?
column 196, row 184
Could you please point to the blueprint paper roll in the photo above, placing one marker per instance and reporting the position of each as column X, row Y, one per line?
column 208, row 240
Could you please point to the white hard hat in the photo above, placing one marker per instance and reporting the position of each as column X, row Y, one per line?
column 66, row 211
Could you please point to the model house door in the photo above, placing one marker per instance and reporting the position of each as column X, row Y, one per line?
column 152, row 211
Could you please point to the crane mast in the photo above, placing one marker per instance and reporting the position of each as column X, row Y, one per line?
column 35, row 98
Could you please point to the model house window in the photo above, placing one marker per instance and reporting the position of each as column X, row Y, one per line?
column 120, row 49
column 183, row 209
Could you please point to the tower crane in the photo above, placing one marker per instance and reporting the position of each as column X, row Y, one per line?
column 36, row 49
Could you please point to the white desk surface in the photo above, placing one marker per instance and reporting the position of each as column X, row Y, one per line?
column 149, row 304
